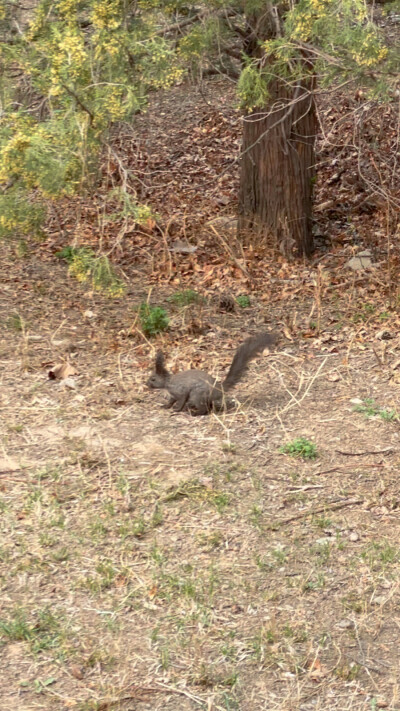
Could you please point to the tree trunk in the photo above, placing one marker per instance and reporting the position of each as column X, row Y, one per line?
column 278, row 159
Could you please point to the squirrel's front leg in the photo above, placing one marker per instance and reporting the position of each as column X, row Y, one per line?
column 181, row 402
column 170, row 402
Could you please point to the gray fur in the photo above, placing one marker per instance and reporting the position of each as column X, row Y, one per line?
column 197, row 391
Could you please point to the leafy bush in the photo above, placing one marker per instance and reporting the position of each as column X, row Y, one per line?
column 153, row 319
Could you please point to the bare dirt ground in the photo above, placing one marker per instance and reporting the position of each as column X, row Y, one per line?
column 152, row 560
column 158, row 561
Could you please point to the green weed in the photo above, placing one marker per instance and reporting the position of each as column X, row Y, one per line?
column 185, row 298
column 300, row 447
column 153, row 319
column 369, row 408
column 243, row 301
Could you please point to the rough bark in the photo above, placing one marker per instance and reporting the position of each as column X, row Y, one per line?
column 277, row 165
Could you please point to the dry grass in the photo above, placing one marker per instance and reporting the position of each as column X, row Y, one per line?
column 159, row 561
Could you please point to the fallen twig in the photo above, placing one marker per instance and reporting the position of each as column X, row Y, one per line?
column 363, row 454
column 320, row 509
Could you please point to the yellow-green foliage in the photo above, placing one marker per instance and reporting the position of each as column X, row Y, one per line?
column 86, row 267
column 342, row 28
column 91, row 62
column 329, row 38
column 19, row 215
column 129, row 209
column 253, row 87
column 201, row 41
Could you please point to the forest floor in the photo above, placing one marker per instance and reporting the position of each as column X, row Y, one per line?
column 151, row 560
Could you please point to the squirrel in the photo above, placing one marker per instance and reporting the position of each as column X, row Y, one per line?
column 197, row 391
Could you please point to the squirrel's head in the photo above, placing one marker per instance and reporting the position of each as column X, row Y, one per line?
column 159, row 377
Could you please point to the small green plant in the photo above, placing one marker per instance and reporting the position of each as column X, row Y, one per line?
column 300, row 447
column 153, row 319
column 369, row 408
column 221, row 501
column 15, row 322
column 280, row 555
column 243, row 301
column 185, row 298
column 256, row 514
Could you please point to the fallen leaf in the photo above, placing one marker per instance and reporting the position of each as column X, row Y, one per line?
column 333, row 377
column 76, row 671
column 61, row 371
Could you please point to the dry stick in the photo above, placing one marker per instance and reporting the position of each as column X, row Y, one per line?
column 293, row 397
column 104, row 448
column 232, row 256
column 381, row 361
column 164, row 234
column 368, row 667
column 138, row 695
column 298, row 401
column 197, row 699
column 362, row 454
column 320, row 509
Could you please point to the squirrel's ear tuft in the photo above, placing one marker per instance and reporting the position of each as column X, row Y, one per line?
column 160, row 364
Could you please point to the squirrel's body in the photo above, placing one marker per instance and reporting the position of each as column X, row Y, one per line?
column 199, row 392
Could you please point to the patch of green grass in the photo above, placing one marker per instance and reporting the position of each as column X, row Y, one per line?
column 300, row 447
column 353, row 602
column 256, row 515
column 16, row 628
column 61, row 555
column 43, row 632
column 3, row 505
column 369, row 408
column 365, row 312
column 210, row 541
column 315, row 584
column 153, row 319
column 97, row 528
column 16, row 428
column 348, row 672
column 230, row 702
column 221, row 500
column 185, row 298
column 103, row 580
column 380, row 555
column 322, row 522
column 262, row 564
column 243, row 301
column 264, row 637
column 280, row 555
column 15, row 322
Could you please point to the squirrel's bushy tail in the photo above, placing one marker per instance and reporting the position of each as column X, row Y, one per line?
column 244, row 354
